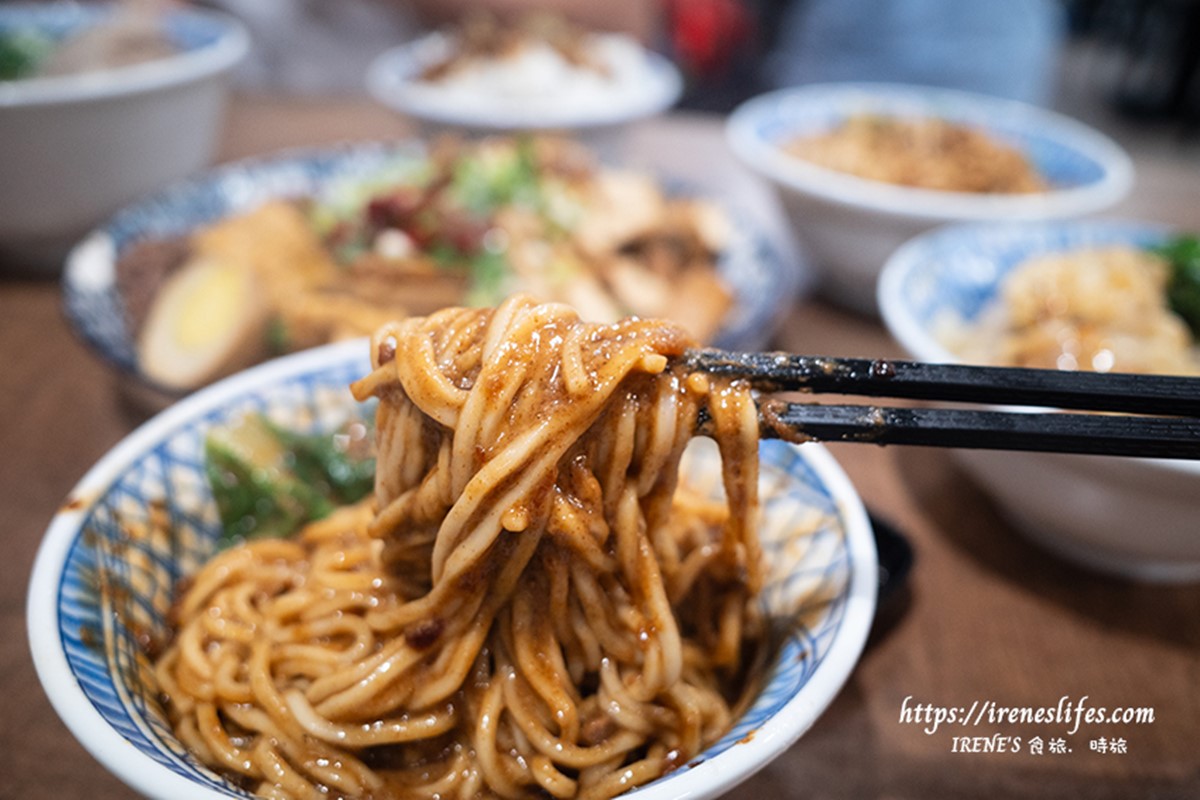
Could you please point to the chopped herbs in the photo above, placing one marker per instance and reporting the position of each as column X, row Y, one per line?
column 268, row 481
column 22, row 53
column 491, row 180
column 446, row 211
column 489, row 279
column 1183, row 287
column 278, row 339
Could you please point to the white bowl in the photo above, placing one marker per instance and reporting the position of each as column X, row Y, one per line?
column 84, row 639
column 643, row 83
column 851, row 224
column 77, row 147
column 1130, row 517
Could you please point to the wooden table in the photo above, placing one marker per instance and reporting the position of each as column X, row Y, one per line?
column 987, row 616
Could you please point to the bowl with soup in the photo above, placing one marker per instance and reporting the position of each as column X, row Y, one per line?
column 328, row 575
column 100, row 103
column 1097, row 295
column 861, row 168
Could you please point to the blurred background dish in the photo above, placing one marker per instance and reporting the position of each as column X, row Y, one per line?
column 852, row 224
column 102, row 105
column 95, row 581
column 539, row 73
column 1086, row 294
column 114, row 277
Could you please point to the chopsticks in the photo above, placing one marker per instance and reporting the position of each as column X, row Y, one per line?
column 1150, row 437
column 1160, row 415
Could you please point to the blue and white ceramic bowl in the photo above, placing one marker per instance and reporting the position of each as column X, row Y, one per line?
column 852, row 224
column 77, row 147
column 1131, row 517
column 763, row 281
column 97, row 590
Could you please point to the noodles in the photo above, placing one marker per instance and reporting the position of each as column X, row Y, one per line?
column 530, row 605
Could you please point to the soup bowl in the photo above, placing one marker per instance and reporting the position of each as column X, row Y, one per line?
column 98, row 592
column 77, row 146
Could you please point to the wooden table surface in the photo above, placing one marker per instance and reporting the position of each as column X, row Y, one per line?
column 986, row 615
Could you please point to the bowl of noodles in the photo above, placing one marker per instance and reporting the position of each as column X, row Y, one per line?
column 329, row 575
column 297, row 249
column 862, row 167
column 1097, row 295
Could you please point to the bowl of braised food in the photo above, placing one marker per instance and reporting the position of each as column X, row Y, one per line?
column 277, row 254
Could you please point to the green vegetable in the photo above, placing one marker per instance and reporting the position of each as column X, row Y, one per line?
column 489, row 279
column 268, row 481
column 337, row 466
column 278, row 338
column 489, row 180
column 445, row 256
column 22, row 53
column 1183, row 287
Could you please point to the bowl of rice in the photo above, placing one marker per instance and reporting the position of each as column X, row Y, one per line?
column 1098, row 295
column 537, row 74
column 861, row 168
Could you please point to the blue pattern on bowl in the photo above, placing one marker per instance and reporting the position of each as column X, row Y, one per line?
column 99, row 628
column 763, row 282
column 59, row 20
column 955, row 271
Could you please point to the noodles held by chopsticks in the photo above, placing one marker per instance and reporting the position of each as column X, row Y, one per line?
column 530, row 604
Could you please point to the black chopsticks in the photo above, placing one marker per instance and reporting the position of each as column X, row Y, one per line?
column 998, row 386
column 1149, row 437
column 1159, row 415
